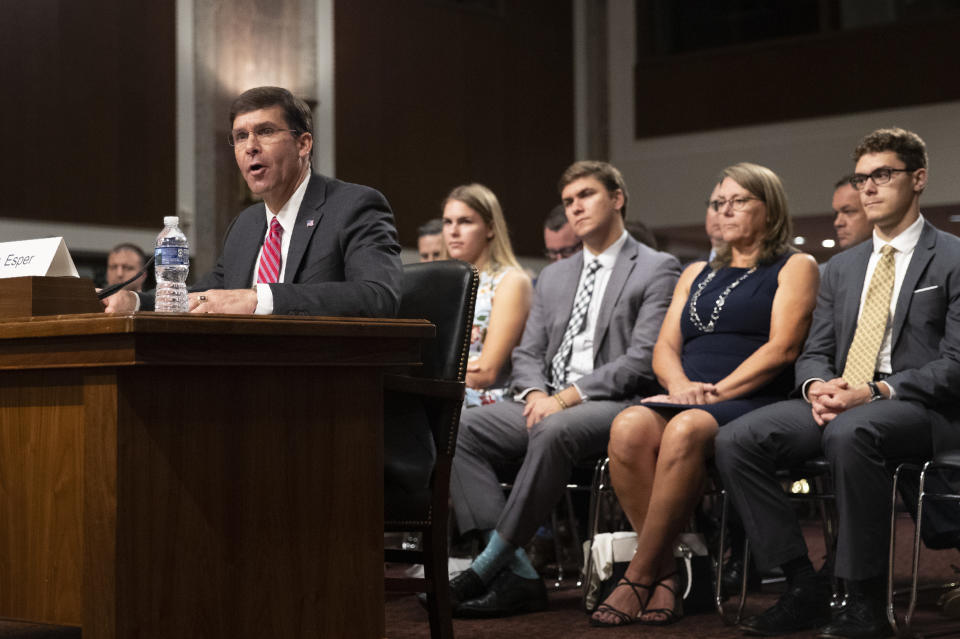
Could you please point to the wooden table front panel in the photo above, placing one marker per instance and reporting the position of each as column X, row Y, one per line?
column 185, row 501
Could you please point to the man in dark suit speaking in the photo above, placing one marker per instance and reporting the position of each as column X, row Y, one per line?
column 880, row 379
column 315, row 246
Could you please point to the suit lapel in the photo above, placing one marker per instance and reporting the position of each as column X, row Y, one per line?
column 308, row 219
column 564, row 301
column 851, row 301
column 250, row 237
column 922, row 254
column 626, row 261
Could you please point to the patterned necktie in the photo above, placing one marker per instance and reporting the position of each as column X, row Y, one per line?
column 560, row 366
column 271, row 258
column 862, row 356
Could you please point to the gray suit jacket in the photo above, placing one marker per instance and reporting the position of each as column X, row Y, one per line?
column 926, row 328
column 634, row 303
column 343, row 260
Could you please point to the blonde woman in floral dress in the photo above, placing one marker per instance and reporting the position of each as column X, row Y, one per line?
column 474, row 231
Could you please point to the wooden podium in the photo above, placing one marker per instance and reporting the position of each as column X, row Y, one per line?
column 208, row 476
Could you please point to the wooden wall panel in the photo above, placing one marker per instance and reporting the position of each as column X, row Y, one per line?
column 429, row 96
column 88, row 109
column 805, row 77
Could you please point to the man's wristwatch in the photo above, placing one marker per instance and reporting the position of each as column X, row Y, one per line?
column 875, row 393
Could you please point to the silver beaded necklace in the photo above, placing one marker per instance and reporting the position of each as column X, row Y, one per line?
column 718, row 305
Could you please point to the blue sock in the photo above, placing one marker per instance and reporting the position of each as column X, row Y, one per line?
column 498, row 553
column 520, row 565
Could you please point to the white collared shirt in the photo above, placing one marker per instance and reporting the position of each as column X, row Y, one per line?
column 581, row 357
column 287, row 216
column 905, row 243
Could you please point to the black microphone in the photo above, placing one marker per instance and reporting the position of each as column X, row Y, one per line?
column 110, row 290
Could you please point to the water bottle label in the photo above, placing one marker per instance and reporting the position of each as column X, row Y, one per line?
column 172, row 256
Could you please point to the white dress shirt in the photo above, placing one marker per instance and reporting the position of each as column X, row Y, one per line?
column 581, row 356
column 287, row 216
column 904, row 243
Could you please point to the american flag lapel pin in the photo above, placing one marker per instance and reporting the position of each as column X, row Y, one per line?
column 309, row 222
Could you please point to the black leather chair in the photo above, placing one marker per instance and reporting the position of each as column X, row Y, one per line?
column 937, row 478
column 422, row 415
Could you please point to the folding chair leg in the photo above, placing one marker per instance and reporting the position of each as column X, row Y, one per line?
column 718, row 587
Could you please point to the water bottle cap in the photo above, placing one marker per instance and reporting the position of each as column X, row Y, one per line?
column 171, row 220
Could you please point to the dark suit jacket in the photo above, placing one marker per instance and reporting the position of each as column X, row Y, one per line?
column 926, row 328
column 343, row 260
column 634, row 303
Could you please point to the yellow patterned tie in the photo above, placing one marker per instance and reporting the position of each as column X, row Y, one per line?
column 862, row 356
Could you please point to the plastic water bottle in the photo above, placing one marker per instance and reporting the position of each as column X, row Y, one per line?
column 172, row 263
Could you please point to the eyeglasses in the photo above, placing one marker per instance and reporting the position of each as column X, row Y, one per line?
column 266, row 135
column 563, row 252
column 879, row 176
column 738, row 203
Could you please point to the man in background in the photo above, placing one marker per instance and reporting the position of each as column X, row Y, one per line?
column 122, row 263
column 850, row 223
column 712, row 223
column 558, row 236
column 430, row 240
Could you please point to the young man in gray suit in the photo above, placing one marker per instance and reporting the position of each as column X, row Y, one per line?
column 314, row 246
column 585, row 354
column 879, row 378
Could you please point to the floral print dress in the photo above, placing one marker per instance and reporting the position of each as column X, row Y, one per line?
column 489, row 281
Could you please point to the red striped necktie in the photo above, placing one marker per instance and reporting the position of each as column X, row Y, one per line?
column 271, row 258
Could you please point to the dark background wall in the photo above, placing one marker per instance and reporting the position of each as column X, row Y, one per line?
column 88, row 111
column 433, row 94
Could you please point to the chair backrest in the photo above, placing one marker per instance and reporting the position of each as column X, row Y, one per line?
column 445, row 294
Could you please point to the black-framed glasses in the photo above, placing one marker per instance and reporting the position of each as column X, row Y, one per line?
column 879, row 176
column 738, row 203
column 266, row 135
column 562, row 252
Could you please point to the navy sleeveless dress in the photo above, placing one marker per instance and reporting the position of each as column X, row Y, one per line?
column 741, row 327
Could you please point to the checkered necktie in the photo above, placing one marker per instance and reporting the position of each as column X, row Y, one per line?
column 271, row 258
column 862, row 356
column 560, row 366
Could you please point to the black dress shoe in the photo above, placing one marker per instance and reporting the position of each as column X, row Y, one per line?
column 466, row 585
column 801, row 607
column 507, row 595
column 862, row 618
column 733, row 577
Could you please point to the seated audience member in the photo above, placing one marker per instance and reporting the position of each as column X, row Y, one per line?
column 641, row 233
column 712, row 224
column 474, row 231
column 430, row 240
column 558, row 236
column 122, row 263
column 585, row 354
column 879, row 378
column 850, row 223
column 727, row 346
column 337, row 246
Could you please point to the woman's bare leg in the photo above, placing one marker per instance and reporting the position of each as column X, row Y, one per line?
column 658, row 486
column 634, row 444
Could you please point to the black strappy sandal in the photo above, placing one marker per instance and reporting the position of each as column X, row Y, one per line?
column 670, row 615
column 623, row 619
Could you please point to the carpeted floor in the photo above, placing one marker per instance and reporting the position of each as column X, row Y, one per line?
column 406, row 619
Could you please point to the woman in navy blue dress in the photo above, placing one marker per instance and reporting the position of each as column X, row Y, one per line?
column 726, row 346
